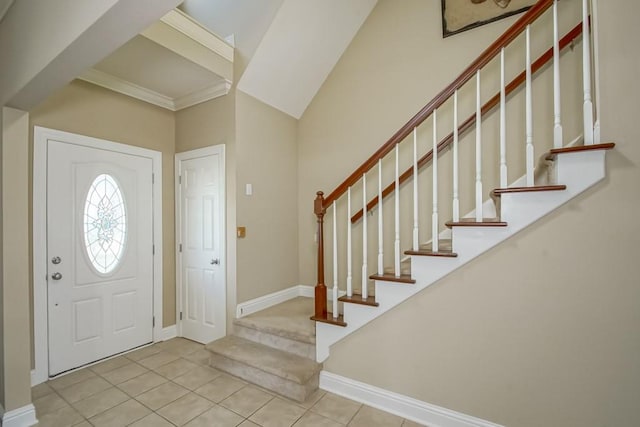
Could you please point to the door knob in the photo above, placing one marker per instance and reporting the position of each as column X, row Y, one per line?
column 56, row 276
column 56, row 260
column 215, row 261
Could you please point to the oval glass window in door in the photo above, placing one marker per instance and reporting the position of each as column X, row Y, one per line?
column 105, row 224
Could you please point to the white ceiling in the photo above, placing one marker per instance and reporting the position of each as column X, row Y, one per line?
column 246, row 20
column 147, row 64
column 299, row 50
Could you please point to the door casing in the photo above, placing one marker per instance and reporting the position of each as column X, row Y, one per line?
column 41, row 135
column 200, row 152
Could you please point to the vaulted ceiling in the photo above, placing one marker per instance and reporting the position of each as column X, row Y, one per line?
column 278, row 51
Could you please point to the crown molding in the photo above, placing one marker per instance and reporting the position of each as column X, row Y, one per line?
column 183, row 23
column 125, row 87
column 206, row 94
column 116, row 84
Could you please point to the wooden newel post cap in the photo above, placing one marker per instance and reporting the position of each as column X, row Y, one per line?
column 318, row 204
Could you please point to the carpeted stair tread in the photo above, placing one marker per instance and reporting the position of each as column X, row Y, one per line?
column 289, row 320
column 276, row 362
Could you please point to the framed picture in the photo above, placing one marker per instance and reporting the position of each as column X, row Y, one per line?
column 462, row 15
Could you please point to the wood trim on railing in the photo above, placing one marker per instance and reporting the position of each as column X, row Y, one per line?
column 485, row 57
column 470, row 121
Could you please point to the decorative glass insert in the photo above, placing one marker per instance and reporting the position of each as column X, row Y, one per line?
column 105, row 224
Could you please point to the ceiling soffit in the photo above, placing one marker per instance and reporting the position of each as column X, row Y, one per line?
column 174, row 64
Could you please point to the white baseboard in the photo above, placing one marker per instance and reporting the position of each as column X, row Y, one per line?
column 21, row 417
column 266, row 301
column 169, row 332
column 398, row 404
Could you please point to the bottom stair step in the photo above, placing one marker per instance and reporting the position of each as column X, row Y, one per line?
column 284, row 373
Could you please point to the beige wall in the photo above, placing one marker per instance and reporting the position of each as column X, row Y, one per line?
column 260, row 147
column 266, row 153
column 89, row 110
column 542, row 330
column 213, row 123
column 2, row 365
column 15, row 277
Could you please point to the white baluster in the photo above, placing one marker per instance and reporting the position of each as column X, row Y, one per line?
column 396, row 244
column 586, row 75
column 503, row 125
column 349, row 272
column 380, row 225
column 596, row 67
column 364, row 237
column 478, row 151
column 434, row 166
column 335, row 264
column 416, row 243
column 557, row 122
column 529, row 114
column 456, row 196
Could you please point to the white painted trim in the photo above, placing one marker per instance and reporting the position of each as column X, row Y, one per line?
column 266, row 301
column 398, row 404
column 261, row 303
column 307, row 291
column 191, row 28
column 21, row 417
column 169, row 332
column 179, row 157
column 40, row 137
column 116, row 84
column 208, row 93
column 125, row 87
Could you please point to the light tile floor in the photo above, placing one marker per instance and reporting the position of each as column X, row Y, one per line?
column 170, row 384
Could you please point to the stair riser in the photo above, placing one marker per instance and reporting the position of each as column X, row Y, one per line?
column 281, row 386
column 579, row 171
column 275, row 341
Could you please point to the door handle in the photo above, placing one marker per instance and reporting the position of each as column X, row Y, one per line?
column 56, row 276
column 215, row 261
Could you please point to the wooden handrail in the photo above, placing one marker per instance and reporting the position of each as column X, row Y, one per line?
column 485, row 57
column 469, row 122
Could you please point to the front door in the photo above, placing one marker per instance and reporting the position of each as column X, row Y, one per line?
column 201, row 273
column 100, row 259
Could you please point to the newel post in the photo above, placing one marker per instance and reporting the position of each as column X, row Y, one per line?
column 321, row 289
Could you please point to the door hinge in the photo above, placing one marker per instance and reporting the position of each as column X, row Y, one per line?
column 180, row 248
column 179, row 179
column 180, row 315
column 153, row 249
column 153, row 321
column 153, row 178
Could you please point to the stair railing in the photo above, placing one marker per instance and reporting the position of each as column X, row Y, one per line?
column 451, row 92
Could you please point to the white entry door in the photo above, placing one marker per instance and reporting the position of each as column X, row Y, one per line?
column 200, row 224
column 99, row 253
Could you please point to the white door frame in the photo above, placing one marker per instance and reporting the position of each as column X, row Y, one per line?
column 192, row 154
column 40, row 319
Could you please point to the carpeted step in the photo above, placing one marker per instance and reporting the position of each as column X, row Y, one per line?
column 285, row 326
column 284, row 373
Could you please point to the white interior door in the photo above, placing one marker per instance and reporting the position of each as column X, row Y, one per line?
column 99, row 251
column 201, row 272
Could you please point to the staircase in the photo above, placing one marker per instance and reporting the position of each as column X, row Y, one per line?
column 437, row 248
column 274, row 348
column 278, row 348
